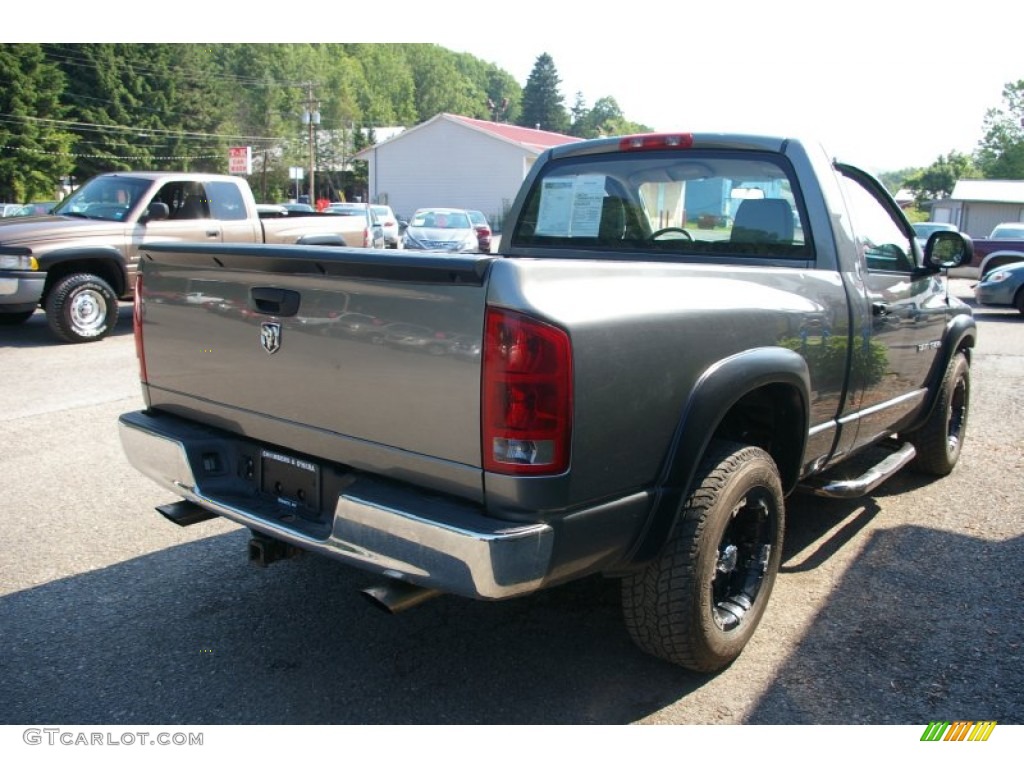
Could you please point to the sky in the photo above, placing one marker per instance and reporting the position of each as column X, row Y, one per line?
column 887, row 86
column 884, row 85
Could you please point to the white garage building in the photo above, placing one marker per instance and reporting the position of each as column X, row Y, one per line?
column 456, row 162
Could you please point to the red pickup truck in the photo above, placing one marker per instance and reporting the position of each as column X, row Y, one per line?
column 1005, row 245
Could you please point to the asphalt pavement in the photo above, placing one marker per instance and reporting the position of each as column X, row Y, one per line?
column 899, row 608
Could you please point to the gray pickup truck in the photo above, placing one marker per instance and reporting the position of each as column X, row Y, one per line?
column 77, row 261
column 679, row 332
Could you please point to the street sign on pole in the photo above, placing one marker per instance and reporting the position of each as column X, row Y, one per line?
column 295, row 172
column 240, row 160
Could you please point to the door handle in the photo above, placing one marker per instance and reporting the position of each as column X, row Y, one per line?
column 274, row 301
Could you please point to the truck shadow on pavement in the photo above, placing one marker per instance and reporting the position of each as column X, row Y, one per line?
column 925, row 626
column 194, row 634
column 35, row 332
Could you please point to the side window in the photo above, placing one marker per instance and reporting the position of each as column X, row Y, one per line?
column 185, row 199
column 225, row 200
column 886, row 247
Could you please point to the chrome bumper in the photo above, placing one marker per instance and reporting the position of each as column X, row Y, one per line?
column 378, row 526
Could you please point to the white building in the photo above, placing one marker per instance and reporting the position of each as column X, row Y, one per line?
column 456, row 162
column 977, row 205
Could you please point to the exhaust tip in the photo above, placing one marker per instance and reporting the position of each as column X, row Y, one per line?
column 396, row 596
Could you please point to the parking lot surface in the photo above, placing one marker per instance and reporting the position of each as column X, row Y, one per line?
column 902, row 607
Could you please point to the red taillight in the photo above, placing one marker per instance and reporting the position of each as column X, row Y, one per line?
column 527, row 395
column 140, row 351
column 643, row 141
column 366, row 238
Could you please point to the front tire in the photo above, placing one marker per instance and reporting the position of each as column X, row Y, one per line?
column 940, row 441
column 699, row 603
column 81, row 307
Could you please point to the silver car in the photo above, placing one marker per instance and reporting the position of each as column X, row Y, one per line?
column 446, row 230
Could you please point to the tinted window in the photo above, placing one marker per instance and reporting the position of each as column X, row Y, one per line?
column 699, row 202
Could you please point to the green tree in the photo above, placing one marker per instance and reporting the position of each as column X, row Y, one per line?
column 1000, row 153
column 938, row 179
column 440, row 85
column 390, row 92
column 577, row 115
column 543, row 104
column 34, row 144
column 141, row 106
column 605, row 118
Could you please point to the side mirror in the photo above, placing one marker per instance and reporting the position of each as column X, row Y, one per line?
column 157, row 211
column 946, row 250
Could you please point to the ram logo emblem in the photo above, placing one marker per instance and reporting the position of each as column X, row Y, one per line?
column 270, row 337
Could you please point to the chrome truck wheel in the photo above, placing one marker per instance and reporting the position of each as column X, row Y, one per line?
column 81, row 307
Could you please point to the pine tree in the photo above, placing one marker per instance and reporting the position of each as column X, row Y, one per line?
column 543, row 104
column 34, row 145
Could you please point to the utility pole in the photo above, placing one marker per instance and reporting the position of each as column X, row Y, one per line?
column 311, row 116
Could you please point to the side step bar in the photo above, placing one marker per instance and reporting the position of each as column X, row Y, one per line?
column 874, row 477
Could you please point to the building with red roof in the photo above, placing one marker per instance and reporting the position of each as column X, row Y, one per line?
column 457, row 162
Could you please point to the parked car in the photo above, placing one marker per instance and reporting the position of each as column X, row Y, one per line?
column 1010, row 230
column 7, row 209
column 448, row 230
column 271, row 210
column 364, row 210
column 34, row 209
column 483, row 230
column 1002, row 287
column 388, row 220
column 923, row 229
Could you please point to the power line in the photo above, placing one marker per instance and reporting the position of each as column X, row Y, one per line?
column 219, row 155
column 137, row 130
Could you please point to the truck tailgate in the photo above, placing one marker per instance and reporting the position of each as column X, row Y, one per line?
column 371, row 360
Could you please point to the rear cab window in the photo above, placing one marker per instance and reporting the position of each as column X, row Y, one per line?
column 667, row 204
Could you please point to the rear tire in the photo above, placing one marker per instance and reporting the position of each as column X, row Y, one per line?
column 940, row 440
column 699, row 603
column 81, row 307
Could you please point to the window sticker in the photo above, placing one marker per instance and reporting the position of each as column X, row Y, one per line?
column 571, row 207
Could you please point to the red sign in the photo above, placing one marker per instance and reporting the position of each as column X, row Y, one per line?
column 240, row 160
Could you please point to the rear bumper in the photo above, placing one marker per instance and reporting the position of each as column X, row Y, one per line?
column 379, row 526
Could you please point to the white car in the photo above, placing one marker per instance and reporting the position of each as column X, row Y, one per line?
column 389, row 222
column 1009, row 230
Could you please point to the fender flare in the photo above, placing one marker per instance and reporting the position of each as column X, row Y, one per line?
column 961, row 334
column 718, row 390
column 111, row 259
